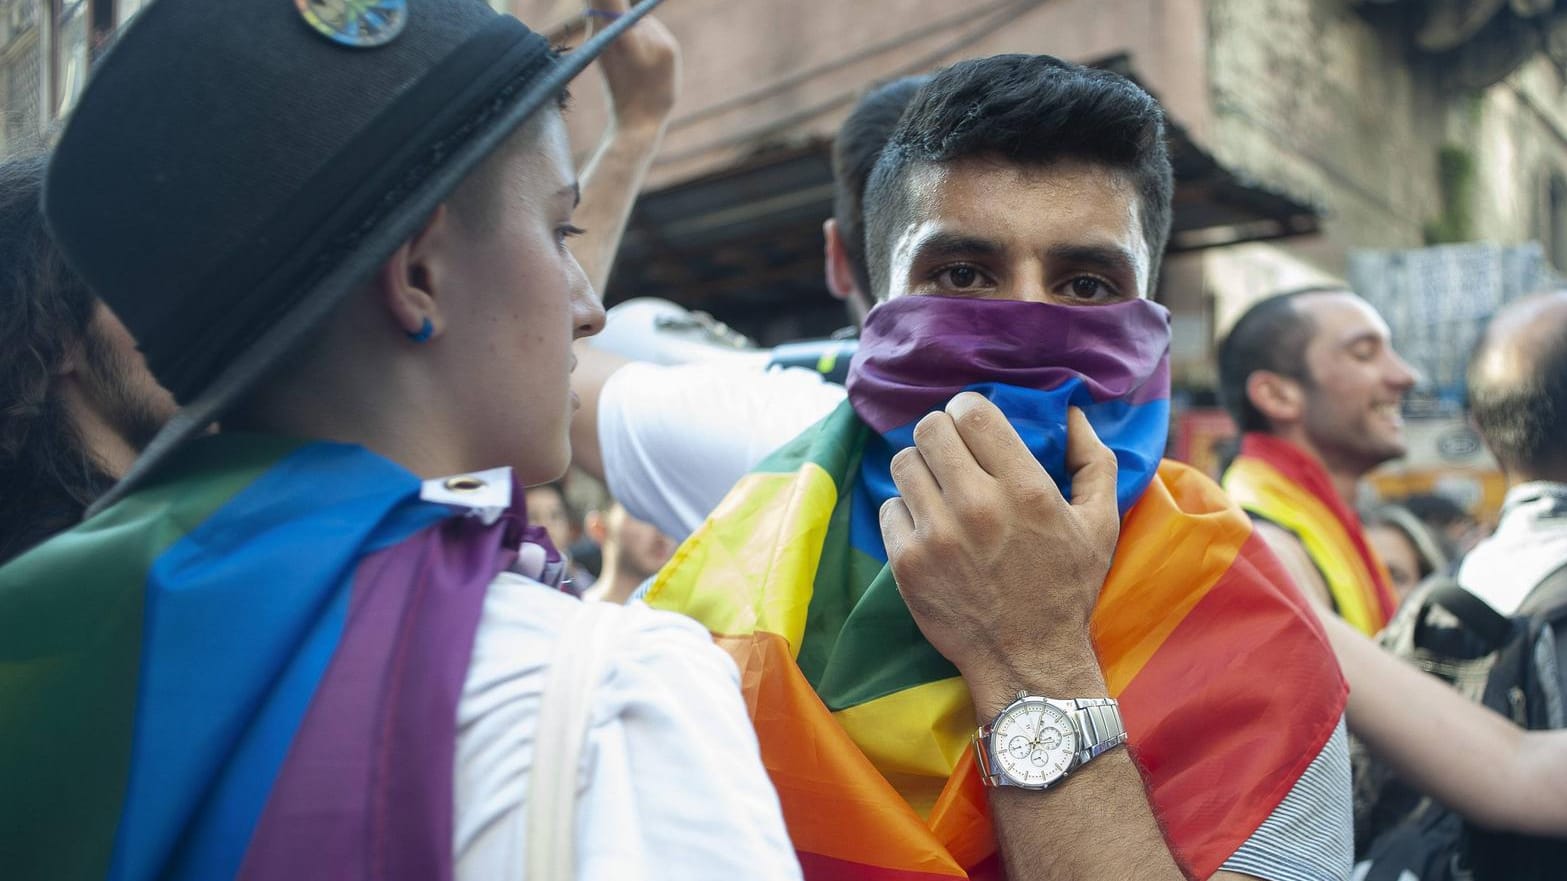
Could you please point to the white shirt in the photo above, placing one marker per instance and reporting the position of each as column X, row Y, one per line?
column 1529, row 543
column 672, row 784
column 675, row 439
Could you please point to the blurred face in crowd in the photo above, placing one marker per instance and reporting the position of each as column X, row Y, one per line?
column 1398, row 553
column 118, row 405
column 1351, row 413
column 641, row 549
column 1067, row 233
column 546, row 508
column 522, row 299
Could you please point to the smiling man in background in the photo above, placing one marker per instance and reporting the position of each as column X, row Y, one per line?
column 1314, row 385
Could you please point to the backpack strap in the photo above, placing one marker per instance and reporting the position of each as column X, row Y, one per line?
column 1548, row 598
column 1476, row 614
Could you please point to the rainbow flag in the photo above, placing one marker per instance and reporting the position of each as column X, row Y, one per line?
column 247, row 669
column 1274, row 480
column 1226, row 683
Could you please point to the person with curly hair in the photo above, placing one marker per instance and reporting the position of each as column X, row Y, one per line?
column 77, row 402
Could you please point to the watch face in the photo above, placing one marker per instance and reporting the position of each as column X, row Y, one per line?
column 1033, row 744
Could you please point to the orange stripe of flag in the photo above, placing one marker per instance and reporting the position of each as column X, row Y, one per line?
column 1176, row 543
column 836, row 804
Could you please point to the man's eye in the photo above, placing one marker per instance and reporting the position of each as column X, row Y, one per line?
column 569, row 231
column 1086, row 287
column 961, row 277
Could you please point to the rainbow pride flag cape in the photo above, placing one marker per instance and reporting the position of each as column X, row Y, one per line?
column 1226, row 683
column 248, row 669
column 1273, row 480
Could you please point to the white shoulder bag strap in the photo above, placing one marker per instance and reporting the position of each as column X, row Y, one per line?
column 581, row 652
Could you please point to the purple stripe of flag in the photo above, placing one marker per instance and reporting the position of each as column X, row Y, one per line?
column 366, row 790
column 916, row 352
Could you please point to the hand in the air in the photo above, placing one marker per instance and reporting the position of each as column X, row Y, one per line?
column 641, row 68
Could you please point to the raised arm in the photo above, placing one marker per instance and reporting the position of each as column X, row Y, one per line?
column 642, row 72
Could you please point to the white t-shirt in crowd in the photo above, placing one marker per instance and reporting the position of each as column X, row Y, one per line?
column 675, row 439
column 1530, row 542
column 672, row 785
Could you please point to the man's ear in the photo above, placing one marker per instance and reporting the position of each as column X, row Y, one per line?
column 840, row 276
column 1276, row 396
column 841, row 279
column 412, row 278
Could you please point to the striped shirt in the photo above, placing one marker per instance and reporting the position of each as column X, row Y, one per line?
column 1310, row 835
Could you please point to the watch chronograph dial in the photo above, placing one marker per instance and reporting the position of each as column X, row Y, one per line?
column 1020, row 747
column 1040, row 743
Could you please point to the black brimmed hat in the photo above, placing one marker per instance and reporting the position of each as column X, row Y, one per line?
column 234, row 168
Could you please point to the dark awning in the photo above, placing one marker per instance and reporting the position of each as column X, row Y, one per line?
column 746, row 243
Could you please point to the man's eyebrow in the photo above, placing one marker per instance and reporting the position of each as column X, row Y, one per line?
column 1355, row 338
column 574, row 189
column 947, row 245
column 1106, row 258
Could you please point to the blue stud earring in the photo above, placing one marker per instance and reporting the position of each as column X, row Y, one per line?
column 425, row 331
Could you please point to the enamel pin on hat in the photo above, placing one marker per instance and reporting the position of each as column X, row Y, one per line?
column 363, row 24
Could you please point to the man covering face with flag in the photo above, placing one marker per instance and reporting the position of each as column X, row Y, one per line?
column 977, row 572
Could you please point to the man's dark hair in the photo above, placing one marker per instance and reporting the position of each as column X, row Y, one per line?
column 1026, row 110
column 1271, row 335
column 854, row 153
column 48, row 476
column 1524, row 418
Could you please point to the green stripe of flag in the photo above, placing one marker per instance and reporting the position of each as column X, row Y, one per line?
column 860, row 641
column 70, row 643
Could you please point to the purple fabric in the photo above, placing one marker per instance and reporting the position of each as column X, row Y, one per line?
column 366, row 790
column 917, row 352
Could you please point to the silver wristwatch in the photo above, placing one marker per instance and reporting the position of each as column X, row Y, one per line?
column 1035, row 741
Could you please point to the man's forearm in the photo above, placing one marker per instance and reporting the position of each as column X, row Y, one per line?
column 1097, row 823
column 1429, row 734
column 1094, row 824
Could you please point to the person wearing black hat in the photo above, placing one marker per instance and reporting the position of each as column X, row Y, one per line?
column 323, row 641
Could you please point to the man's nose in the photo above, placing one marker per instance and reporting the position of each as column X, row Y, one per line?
column 1403, row 375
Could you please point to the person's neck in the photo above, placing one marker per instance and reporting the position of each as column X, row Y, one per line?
column 394, row 418
column 616, row 583
column 1344, row 476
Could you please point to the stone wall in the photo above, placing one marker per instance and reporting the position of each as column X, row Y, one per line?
column 1310, row 97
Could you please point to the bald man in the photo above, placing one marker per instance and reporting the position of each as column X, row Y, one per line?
column 1518, row 399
